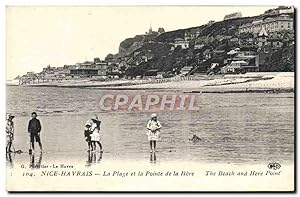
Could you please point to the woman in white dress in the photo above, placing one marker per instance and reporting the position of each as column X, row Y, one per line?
column 153, row 133
column 95, row 136
column 9, row 132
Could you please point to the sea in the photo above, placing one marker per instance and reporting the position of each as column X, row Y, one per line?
column 233, row 128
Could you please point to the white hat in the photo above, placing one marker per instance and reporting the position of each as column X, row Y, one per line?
column 154, row 115
column 9, row 116
column 88, row 123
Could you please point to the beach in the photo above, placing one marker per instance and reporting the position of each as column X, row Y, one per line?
column 239, row 132
column 249, row 81
column 229, row 124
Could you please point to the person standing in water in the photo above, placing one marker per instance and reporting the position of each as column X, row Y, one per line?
column 9, row 132
column 95, row 136
column 87, row 135
column 34, row 130
column 153, row 133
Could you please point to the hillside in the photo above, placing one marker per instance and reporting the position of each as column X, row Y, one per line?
column 215, row 38
column 129, row 43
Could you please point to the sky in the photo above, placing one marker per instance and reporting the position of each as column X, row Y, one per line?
column 39, row 36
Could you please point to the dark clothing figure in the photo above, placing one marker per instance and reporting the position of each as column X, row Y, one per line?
column 34, row 129
column 87, row 135
column 34, row 126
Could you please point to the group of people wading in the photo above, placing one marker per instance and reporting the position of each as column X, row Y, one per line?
column 34, row 130
column 91, row 132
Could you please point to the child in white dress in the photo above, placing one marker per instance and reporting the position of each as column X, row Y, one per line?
column 95, row 136
column 153, row 133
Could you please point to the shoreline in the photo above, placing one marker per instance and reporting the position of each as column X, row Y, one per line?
column 247, row 83
column 205, row 90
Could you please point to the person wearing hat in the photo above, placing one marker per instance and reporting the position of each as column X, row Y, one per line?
column 95, row 136
column 9, row 132
column 34, row 130
column 153, row 133
column 87, row 135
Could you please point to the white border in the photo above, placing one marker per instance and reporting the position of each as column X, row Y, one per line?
column 3, row 3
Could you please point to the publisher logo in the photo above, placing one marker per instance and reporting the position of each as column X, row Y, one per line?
column 274, row 166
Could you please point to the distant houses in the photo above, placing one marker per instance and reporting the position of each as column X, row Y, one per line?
column 268, row 42
column 191, row 34
column 236, row 46
column 280, row 10
column 88, row 69
column 185, row 70
column 270, row 24
column 241, row 59
column 184, row 44
column 233, row 16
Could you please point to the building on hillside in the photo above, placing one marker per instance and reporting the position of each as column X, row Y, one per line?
column 233, row 16
column 161, row 30
column 262, row 37
column 89, row 69
column 271, row 24
column 48, row 69
column 235, row 67
column 210, row 22
column 272, row 42
column 234, row 41
column 199, row 45
column 280, row 10
column 222, row 37
column 288, row 39
column 207, row 54
column 151, row 73
column 286, row 9
column 111, row 59
column 147, row 57
column 185, row 70
column 149, row 31
column 155, row 33
column 275, row 42
column 54, row 72
column 249, row 60
column 191, row 34
column 30, row 74
column 182, row 43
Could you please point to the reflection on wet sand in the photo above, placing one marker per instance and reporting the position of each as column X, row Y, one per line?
column 153, row 157
column 35, row 162
column 93, row 157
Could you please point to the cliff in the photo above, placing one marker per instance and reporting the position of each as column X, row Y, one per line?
column 215, row 38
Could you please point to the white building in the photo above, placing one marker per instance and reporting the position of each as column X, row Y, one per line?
column 274, row 24
column 184, row 44
column 286, row 10
column 233, row 16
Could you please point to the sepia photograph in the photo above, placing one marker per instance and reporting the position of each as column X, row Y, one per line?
column 150, row 98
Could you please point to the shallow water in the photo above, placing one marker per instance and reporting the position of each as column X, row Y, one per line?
column 234, row 128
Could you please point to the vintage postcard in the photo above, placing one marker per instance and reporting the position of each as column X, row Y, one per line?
column 150, row 98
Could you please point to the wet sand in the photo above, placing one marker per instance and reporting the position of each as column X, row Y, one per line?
column 252, row 128
column 237, row 131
